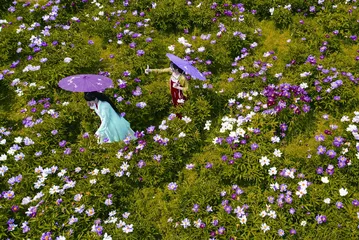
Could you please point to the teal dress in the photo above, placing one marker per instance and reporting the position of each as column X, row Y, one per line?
column 113, row 127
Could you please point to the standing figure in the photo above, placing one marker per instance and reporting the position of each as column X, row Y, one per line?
column 177, row 82
column 114, row 127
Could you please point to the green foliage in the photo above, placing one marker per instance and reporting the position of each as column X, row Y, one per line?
column 196, row 151
column 282, row 18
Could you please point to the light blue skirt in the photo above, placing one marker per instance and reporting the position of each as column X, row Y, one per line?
column 117, row 129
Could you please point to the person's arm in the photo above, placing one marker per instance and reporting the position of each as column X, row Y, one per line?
column 160, row 70
column 148, row 70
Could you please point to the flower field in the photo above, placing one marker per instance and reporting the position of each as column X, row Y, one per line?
column 267, row 147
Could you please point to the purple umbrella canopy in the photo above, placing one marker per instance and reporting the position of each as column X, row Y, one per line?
column 86, row 83
column 186, row 67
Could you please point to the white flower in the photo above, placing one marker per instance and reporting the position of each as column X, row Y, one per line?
column 93, row 181
column 345, row 119
column 272, row 171
column 120, row 224
column 188, row 51
column 303, row 223
column 65, row 103
column 301, row 192
column 186, row 119
column 325, row 180
column 272, row 214
column 243, row 219
column 54, row 189
column 185, row 223
column 128, row 228
column 10, row 151
column 67, row 60
column 124, row 166
column 271, row 10
column 263, row 214
column 207, row 125
column 275, row 139
column 201, row 49
column 18, row 140
column 105, row 171
column 277, row 153
column 181, row 135
column 266, row 54
column 107, row 237
column 327, row 200
column 274, row 186
column 265, row 227
column 303, row 184
column 304, row 85
column 264, row 161
column 171, row 48
column 60, row 238
column 343, row 192
column 101, row 13
column 3, row 141
column 3, row 157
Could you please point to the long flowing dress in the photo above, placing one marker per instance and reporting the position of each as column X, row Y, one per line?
column 113, row 128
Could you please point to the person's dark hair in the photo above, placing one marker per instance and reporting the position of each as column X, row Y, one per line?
column 174, row 66
column 91, row 96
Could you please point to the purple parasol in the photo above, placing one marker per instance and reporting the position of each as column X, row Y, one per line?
column 186, row 66
column 85, row 83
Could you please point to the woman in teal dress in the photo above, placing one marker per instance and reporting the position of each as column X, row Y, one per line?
column 114, row 127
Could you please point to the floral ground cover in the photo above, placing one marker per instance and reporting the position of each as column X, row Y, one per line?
column 267, row 147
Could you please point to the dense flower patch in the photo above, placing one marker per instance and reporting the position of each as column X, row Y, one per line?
column 267, row 146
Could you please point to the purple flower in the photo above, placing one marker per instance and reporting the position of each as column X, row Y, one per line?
column 321, row 150
column 319, row 170
column 141, row 164
column 339, row 205
column 150, row 129
column 140, row 53
column 67, row 151
column 320, row 138
column 221, row 230
column 270, row 199
column 58, row 201
column 46, row 236
column 254, row 146
column 292, row 211
column 172, row 186
column 195, row 208
column 237, row 155
column 62, row 143
column 355, row 203
column 331, row 153
column 90, row 42
column 132, row 45
column 15, row 208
